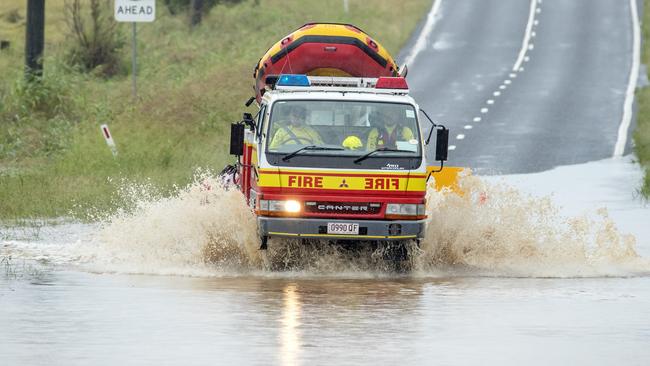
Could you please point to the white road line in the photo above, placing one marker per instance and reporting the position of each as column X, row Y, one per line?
column 421, row 42
column 468, row 127
column 621, row 141
column 477, row 119
column 513, row 75
column 484, row 110
column 529, row 28
column 502, row 87
column 490, row 101
column 460, row 137
column 507, row 82
column 496, row 93
column 452, row 147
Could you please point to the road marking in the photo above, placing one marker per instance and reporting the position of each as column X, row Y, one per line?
column 507, row 82
column 531, row 46
column 502, row 87
column 452, row 147
column 468, row 127
column 621, row 141
column 496, row 93
column 460, row 137
column 513, row 75
column 477, row 119
column 421, row 42
column 526, row 59
column 529, row 29
column 484, row 110
column 490, row 101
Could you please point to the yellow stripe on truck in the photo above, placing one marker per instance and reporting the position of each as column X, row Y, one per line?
column 372, row 182
column 346, row 236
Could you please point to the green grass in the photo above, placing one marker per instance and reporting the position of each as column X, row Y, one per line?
column 192, row 84
column 642, row 132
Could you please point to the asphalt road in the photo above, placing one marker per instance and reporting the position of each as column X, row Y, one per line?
column 562, row 105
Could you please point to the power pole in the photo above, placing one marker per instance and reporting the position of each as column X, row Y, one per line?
column 196, row 12
column 34, row 38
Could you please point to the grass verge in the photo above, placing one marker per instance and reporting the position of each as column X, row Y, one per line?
column 192, row 84
column 642, row 132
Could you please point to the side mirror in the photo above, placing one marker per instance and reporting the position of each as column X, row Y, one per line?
column 237, row 139
column 442, row 144
column 248, row 120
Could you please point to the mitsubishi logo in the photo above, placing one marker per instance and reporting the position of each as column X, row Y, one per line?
column 343, row 184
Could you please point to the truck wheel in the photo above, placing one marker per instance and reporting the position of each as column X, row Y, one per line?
column 397, row 255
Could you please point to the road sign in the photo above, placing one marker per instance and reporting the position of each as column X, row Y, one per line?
column 135, row 10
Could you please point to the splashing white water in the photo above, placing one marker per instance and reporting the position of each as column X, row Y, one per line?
column 491, row 230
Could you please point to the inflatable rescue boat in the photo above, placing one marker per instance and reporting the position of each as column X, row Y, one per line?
column 324, row 49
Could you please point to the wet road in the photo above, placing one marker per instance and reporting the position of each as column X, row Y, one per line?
column 63, row 318
column 518, row 107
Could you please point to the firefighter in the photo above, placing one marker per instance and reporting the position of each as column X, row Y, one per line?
column 389, row 130
column 296, row 131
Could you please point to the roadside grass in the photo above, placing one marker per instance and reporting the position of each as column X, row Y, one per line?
column 642, row 132
column 192, row 84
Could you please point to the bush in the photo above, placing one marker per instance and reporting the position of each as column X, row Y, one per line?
column 97, row 47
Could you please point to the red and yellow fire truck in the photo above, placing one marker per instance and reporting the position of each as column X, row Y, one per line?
column 336, row 150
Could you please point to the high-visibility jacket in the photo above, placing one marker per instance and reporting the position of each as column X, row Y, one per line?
column 294, row 135
column 387, row 137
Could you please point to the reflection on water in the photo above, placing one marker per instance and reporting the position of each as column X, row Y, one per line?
column 89, row 319
column 290, row 336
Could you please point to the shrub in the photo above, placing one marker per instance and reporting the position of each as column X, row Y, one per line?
column 97, row 42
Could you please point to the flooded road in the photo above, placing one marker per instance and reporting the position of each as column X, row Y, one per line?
column 503, row 278
column 76, row 318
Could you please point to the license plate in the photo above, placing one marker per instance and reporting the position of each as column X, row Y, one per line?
column 342, row 228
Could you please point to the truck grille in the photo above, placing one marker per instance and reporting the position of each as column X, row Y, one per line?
column 359, row 208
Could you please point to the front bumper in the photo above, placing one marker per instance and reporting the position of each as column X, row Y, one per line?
column 317, row 228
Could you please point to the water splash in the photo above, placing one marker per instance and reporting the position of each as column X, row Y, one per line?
column 491, row 230
column 494, row 229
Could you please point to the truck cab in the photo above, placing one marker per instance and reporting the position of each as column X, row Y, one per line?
column 336, row 158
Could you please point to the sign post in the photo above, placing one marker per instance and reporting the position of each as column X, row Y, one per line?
column 135, row 11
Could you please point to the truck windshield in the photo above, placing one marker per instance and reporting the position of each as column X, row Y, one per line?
column 354, row 127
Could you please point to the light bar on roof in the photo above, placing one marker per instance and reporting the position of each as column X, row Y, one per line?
column 293, row 80
column 386, row 82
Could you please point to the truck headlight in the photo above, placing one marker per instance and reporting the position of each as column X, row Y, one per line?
column 291, row 206
column 405, row 209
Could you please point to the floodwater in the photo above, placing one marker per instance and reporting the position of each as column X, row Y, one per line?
column 503, row 277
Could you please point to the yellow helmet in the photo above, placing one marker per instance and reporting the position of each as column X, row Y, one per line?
column 352, row 143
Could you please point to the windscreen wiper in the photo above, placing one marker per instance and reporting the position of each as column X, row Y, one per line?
column 310, row 147
column 366, row 156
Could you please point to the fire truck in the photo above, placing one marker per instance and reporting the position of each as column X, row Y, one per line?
column 337, row 149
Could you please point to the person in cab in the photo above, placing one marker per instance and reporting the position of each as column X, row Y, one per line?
column 389, row 129
column 295, row 131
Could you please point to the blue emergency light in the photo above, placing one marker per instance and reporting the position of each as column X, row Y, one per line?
column 293, row 80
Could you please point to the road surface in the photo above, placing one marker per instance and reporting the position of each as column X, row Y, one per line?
column 562, row 103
